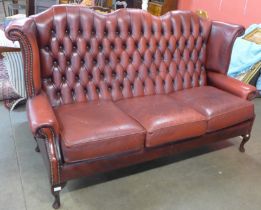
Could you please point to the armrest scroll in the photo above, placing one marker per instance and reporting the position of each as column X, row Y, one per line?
column 232, row 85
column 25, row 31
column 41, row 115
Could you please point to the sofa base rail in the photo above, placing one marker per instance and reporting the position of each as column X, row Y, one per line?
column 92, row 167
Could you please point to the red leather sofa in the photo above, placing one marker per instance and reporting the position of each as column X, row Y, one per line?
column 109, row 91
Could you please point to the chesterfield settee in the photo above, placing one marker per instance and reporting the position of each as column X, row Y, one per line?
column 109, row 91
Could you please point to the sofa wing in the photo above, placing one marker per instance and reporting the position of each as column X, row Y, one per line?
column 40, row 114
column 24, row 31
column 232, row 85
column 220, row 44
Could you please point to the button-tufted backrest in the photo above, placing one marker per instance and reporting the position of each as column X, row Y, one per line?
column 88, row 56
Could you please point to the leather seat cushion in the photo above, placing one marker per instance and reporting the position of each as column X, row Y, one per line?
column 165, row 119
column 221, row 108
column 97, row 129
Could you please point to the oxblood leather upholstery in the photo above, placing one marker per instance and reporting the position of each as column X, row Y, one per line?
column 41, row 114
column 125, row 54
column 164, row 119
column 232, row 85
column 97, row 129
column 127, row 83
column 221, row 109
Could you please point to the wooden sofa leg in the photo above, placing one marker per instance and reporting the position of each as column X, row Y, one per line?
column 56, row 193
column 37, row 147
column 244, row 141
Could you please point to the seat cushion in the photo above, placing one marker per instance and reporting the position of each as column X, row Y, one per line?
column 165, row 120
column 97, row 129
column 221, row 108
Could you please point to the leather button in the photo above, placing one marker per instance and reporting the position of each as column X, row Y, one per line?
column 47, row 48
column 112, row 46
column 90, row 76
column 142, row 31
column 110, row 88
column 130, row 59
column 124, row 46
column 121, row 86
column 77, row 78
column 88, row 46
column 105, row 32
column 74, row 47
column 162, row 31
column 100, row 47
column 125, row 73
column 132, row 86
column 106, row 60
column 53, row 32
column 82, row 62
column 97, row 89
column 117, row 32
column 61, row 48
column 102, row 75
column 55, row 63
column 85, row 90
column 94, row 61
column 58, row 93
column 63, row 79
column 93, row 32
column 79, row 31
column 68, row 63
column 113, row 74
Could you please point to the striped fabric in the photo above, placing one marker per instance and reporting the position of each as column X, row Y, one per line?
column 14, row 64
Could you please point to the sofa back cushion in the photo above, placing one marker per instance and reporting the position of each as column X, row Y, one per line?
column 87, row 56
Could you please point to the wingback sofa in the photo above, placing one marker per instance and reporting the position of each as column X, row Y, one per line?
column 109, row 91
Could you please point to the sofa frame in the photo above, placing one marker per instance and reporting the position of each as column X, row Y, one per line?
column 48, row 139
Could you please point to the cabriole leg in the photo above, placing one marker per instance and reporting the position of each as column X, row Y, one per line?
column 244, row 141
column 37, row 147
column 56, row 193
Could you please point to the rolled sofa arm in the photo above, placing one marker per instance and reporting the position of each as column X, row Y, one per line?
column 24, row 31
column 232, row 85
column 220, row 44
column 40, row 114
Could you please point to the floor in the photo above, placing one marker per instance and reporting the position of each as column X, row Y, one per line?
column 216, row 177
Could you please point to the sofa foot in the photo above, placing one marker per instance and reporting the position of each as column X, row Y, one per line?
column 56, row 193
column 37, row 149
column 244, row 141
